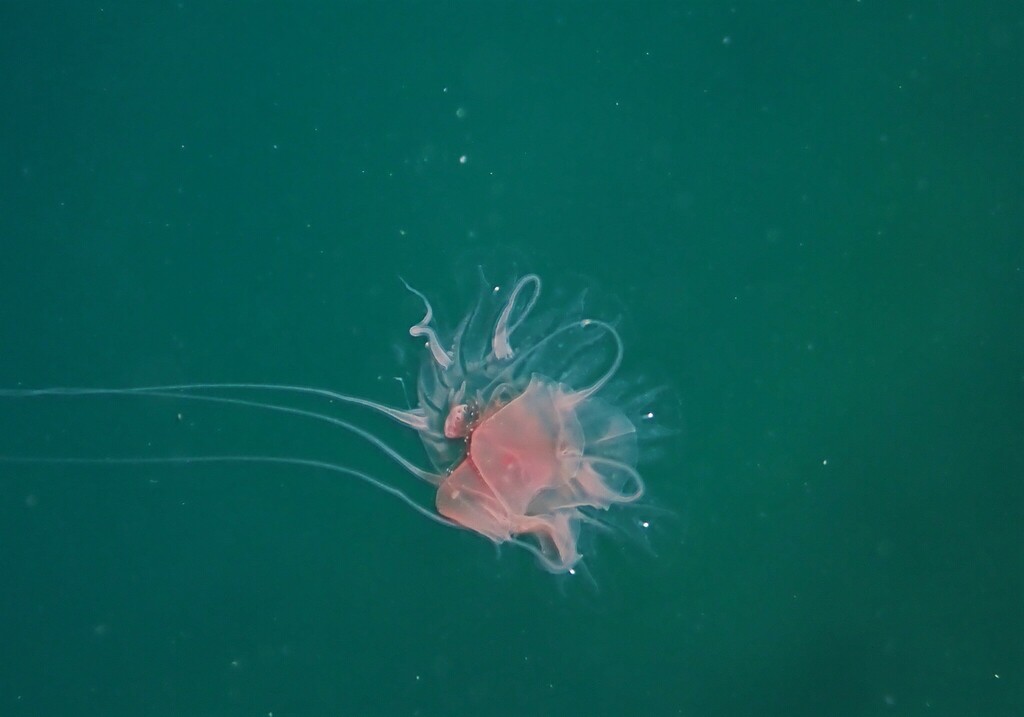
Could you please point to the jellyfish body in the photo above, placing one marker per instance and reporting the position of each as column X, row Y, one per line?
column 526, row 456
column 524, row 448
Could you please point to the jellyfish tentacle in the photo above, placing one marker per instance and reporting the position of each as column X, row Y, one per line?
column 273, row 460
column 423, row 329
column 546, row 561
column 528, row 279
column 587, row 392
column 413, row 418
column 503, row 376
column 352, row 428
column 459, row 347
column 500, row 345
column 616, row 362
column 179, row 392
column 629, row 470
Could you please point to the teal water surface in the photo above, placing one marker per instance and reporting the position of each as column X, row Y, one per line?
column 807, row 217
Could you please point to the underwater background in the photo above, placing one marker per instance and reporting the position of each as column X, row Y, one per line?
column 807, row 218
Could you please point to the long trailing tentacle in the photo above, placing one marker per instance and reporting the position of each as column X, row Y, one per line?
column 273, row 460
column 178, row 392
column 413, row 418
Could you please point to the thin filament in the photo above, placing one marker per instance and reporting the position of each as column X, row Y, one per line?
column 584, row 393
column 273, row 460
column 174, row 392
column 502, row 331
column 413, row 418
column 425, row 330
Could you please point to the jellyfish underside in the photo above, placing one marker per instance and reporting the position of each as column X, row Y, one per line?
column 530, row 471
column 539, row 457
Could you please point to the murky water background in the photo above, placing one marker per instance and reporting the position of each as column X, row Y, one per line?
column 809, row 220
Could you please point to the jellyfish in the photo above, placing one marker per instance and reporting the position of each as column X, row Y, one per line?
column 524, row 446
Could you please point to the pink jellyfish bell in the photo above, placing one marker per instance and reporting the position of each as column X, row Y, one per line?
column 526, row 454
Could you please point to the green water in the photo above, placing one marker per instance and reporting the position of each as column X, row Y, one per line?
column 808, row 215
